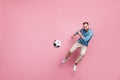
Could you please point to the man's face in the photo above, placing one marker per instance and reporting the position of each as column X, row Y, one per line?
column 86, row 27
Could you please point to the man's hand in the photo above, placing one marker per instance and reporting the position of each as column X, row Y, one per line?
column 72, row 37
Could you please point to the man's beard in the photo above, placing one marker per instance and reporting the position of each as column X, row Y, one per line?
column 86, row 30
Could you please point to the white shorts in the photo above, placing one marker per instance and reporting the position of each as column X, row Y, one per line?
column 79, row 45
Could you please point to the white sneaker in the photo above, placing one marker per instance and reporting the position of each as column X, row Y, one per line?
column 63, row 61
column 75, row 68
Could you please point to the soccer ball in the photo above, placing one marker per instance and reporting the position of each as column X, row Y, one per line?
column 57, row 43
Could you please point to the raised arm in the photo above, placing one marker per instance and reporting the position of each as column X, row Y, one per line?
column 77, row 33
column 80, row 34
column 73, row 35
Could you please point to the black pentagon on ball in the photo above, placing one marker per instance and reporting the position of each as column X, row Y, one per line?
column 55, row 44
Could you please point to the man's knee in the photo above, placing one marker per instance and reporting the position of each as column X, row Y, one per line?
column 71, row 51
column 81, row 56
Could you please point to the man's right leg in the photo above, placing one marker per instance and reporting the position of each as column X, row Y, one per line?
column 82, row 53
column 74, row 47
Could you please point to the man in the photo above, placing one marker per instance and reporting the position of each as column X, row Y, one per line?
column 85, row 35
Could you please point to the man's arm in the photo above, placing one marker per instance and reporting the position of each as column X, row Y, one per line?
column 87, row 37
column 80, row 34
column 73, row 35
column 77, row 33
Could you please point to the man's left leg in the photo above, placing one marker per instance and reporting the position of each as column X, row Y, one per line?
column 82, row 53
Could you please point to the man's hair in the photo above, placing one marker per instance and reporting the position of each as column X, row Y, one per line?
column 85, row 23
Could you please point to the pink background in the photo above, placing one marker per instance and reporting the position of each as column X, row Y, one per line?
column 28, row 28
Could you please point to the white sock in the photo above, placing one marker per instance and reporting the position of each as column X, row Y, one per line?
column 64, row 60
column 75, row 68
